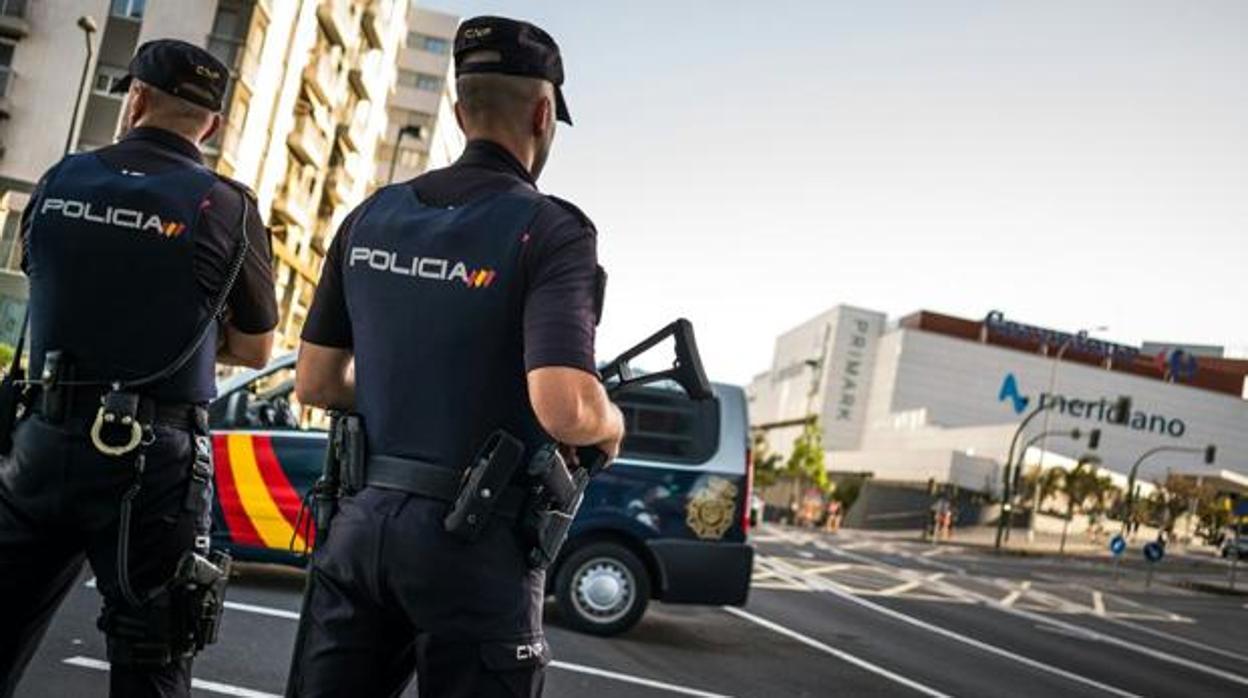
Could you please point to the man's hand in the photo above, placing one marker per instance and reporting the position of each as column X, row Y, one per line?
column 611, row 444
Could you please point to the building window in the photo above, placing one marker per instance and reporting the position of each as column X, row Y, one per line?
column 130, row 9
column 432, row 44
column 420, row 81
column 6, row 66
column 106, row 76
column 13, row 8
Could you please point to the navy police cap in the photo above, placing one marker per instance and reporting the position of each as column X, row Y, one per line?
column 180, row 69
column 511, row 47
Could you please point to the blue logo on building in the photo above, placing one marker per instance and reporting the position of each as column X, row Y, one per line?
column 1009, row 391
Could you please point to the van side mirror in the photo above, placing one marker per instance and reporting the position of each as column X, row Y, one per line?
column 686, row 368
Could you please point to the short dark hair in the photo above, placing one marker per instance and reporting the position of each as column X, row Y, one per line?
column 495, row 100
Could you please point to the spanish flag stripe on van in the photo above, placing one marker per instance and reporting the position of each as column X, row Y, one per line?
column 279, row 487
column 258, row 503
column 242, row 532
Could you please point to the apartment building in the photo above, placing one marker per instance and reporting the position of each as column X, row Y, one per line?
column 421, row 108
column 304, row 115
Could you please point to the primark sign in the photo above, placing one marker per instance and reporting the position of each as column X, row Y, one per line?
column 1100, row 409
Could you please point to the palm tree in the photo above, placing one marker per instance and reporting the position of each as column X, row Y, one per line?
column 1081, row 485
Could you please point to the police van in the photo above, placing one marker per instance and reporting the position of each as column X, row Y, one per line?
column 668, row 521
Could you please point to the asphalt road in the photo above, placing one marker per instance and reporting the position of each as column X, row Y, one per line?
column 848, row 614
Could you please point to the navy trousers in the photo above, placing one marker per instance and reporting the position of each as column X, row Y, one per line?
column 59, row 505
column 391, row 595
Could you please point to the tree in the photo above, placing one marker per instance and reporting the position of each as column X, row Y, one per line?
column 1048, row 481
column 767, row 469
column 1085, row 490
column 806, row 460
column 1177, row 495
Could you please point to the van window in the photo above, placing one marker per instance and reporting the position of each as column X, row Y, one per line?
column 665, row 425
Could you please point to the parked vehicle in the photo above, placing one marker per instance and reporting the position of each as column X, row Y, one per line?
column 667, row 521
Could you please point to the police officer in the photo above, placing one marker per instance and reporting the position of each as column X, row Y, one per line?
column 450, row 306
column 129, row 250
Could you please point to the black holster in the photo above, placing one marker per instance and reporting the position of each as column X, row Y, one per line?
column 343, row 472
column 556, row 498
column 482, row 488
column 198, row 590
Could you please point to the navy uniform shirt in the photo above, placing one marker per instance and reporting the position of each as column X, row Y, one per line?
column 562, row 284
column 252, row 305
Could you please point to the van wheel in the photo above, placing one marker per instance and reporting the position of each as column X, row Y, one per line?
column 602, row 589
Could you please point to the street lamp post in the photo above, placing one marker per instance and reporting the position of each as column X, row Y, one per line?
column 1211, row 454
column 87, row 25
column 409, row 130
column 1057, row 360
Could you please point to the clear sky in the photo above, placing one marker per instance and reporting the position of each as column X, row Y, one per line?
column 1073, row 163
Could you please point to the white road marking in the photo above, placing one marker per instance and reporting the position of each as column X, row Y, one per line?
column 262, row 610
column 1037, row 618
column 224, row 689
column 1013, row 595
column 832, row 588
column 834, row 567
column 625, row 678
column 1098, row 603
column 839, row 654
column 900, row 588
column 1178, row 638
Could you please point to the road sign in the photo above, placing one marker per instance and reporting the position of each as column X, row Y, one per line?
column 1154, row 551
column 1117, row 545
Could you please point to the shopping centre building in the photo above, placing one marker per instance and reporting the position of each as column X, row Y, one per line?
column 936, row 398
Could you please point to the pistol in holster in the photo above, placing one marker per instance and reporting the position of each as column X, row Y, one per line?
column 199, row 589
column 556, row 497
column 343, row 472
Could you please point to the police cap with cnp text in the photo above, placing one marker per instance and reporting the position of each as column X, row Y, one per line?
column 180, row 69
column 511, row 47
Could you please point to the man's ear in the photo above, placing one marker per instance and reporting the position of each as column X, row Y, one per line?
column 137, row 106
column 213, row 127
column 459, row 117
column 543, row 116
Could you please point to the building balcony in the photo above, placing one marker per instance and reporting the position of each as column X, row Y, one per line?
column 369, row 75
column 14, row 22
column 309, row 139
column 340, row 186
column 374, row 22
column 340, row 19
column 323, row 75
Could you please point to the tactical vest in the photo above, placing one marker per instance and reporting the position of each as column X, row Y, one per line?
column 112, row 275
column 436, row 306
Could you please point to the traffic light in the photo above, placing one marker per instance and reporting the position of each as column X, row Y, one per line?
column 1211, row 454
column 1094, row 439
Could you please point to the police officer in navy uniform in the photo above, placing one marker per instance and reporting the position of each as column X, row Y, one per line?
column 128, row 250
column 458, row 303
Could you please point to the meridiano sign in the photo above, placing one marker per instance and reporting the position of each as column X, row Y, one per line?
column 1101, row 409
